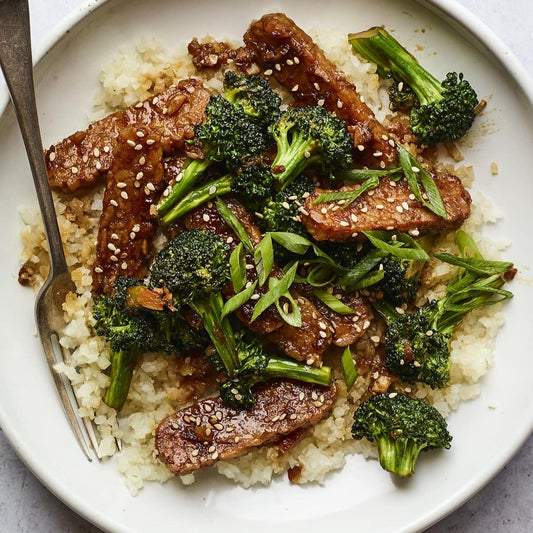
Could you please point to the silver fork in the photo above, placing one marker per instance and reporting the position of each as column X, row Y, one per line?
column 16, row 63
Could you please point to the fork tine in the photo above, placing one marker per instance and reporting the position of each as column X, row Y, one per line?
column 61, row 388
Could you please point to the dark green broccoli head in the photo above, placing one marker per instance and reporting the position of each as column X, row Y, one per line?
column 229, row 134
column 402, row 427
column 174, row 335
column 446, row 109
column 401, row 97
column 254, row 94
column 253, row 185
column 400, row 282
column 346, row 254
column 309, row 135
column 445, row 116
column 191, row 266
column 416, row 350
column 237, row 391
column 125, row 329
column 282, row 212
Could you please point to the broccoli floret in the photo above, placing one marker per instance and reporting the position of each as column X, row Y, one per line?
column 228, row 136
column 132, row 330
column 282, row 212
column 257, row 367
column 401, row 96
column 401, row 277
column 129, row 334
column 402, row 427
column 255, row 95
column 417, row 342
column 445, row 110
column 252, row 184
column 346, row 254
column 194, row 267
column 309, row 135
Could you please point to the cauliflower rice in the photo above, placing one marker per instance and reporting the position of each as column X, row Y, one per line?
column 135, row 74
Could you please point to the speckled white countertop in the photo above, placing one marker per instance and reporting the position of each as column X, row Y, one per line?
column 505, row 505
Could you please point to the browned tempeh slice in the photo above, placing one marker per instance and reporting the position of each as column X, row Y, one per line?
column 295, row 61
column 346, row 328
column 209, row 431
column 390, row 206
column 134, row 184
column 84, row 157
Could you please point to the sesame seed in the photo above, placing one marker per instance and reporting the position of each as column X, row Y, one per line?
column 416, row 363
column 237, row 439
column 307, row 154
column 415, row 169
column 354, row 234
column 98, row 165
column 301, row 396
column 214, row 456
column 364, row 209
column 414, row 232
column 323, row 210
column 322, row 325
column 295, row 88
column 98, row 270
column 344, row 223
column 140, row 134
column 268, row 72
column 286, row 205
column 254, row 297
column 106, row 149
column 405, row 205
column 380, row 206
column 229, row 240
column 399, row 208
column 113, row 203
column 132, row 235
column 321, row 102
column 121, row 185
column 114, row 258
column 74, row 170
column 308, row 362
column 314, row 395
column 277, row 66
column 131, row 143
column 124, row 265
column 195, row 453
column 304, row 211
column 429, row 332
column 400, row 86
column 366, row 324
column 206, row 217
column 317, row 86
column 322, row 334
column 149, row 142
column 111, row 246
column 124, row 195
column 212, row 190
column 293, row 416
column 136, row 228
column 296, row 60
column 400, row 310
column 52, row 156
column 377, row 154
column 249, row 267
column 393, row 395
column 339, row 104
column 375, row 338
column 354, row 218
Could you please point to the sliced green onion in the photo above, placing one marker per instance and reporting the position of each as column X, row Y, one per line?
column 380, row 240
column 264, row 258
column 333, row 302
column 238, row 300
column 272, row 296
column 348, row 368
column 237, row 267
column 234, row 223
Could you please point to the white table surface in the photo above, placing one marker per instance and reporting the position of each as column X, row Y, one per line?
column 505, row 505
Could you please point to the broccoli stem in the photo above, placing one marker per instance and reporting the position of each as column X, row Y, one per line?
column 120, row 376
column 399, row 456
column 392, row 59
column 197, row 197
column 292, row 157
column 279, row 367
column 220, row 331
column 195, row 168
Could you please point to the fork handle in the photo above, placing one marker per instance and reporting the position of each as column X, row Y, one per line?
column 16, row 63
